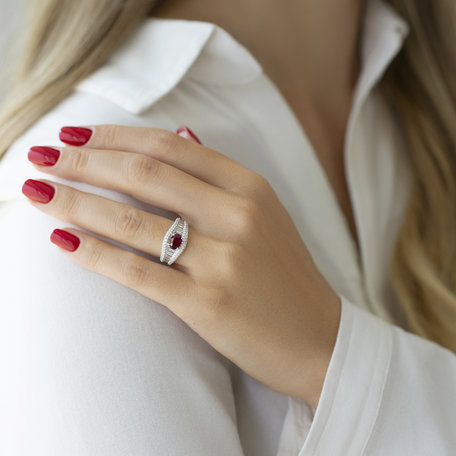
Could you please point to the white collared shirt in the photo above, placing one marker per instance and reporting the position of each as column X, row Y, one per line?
column 386, row 392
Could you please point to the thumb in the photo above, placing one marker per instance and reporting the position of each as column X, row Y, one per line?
column 185, row 132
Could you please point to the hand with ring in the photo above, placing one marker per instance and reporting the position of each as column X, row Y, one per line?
column 233, row 265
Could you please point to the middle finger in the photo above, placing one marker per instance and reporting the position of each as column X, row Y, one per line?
column 146, row 179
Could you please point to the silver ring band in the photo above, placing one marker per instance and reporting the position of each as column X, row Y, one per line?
column 174, row 241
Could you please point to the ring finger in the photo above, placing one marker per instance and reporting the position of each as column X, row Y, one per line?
column 134, row 227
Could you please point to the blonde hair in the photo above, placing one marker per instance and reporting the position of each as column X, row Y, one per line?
column 421, row 91
column 67, row 40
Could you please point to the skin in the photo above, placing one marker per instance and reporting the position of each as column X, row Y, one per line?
column 234, row 283
column 312, row 56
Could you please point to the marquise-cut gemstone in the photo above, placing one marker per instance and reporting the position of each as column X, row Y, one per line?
column 175, row 241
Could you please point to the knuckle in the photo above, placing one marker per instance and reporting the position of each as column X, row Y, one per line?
column 134, row 273
column 94, row 257
column 247, row 216
column 140, row 169
column 129, row 223
column 167, row 140
column 70, row 205
column 216, row 302
column 229, row 260
column 109, row 134
column 261, row 183
column 258, row 186
column 79, row 160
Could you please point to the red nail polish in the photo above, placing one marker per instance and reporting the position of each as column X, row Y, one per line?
column 44, row 156
column 65, row 240
column 38, row 191
column 75, row 136
column 190, row 132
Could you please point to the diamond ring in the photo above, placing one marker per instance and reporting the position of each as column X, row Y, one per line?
column 174, row 241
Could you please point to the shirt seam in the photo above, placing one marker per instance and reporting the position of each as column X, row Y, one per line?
column 380, row 402
column 344, row 367
column 381, row 324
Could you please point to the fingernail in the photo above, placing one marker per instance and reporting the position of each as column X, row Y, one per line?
column 182, row 131
column 65, row 240
column 44, row 156
column 38, row 191
column 75, row 136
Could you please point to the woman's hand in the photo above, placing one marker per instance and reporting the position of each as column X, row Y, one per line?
column 245, row 282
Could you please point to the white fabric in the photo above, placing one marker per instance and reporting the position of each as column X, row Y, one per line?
column 90, row 367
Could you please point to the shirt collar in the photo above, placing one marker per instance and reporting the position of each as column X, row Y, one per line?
column 162, row 51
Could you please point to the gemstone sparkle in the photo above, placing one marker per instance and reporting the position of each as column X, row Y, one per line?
column 175, row 241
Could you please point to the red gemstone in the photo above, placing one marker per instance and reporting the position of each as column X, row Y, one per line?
column 175, row 241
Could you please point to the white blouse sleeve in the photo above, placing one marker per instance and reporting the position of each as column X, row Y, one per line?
column 386, row 392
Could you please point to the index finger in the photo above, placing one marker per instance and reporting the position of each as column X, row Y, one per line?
column 195, row 159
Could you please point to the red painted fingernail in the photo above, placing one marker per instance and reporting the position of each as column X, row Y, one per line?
column 187, row 130
column 75, row 136
column 44, row 156
column 65, row 240
column 38, row 191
